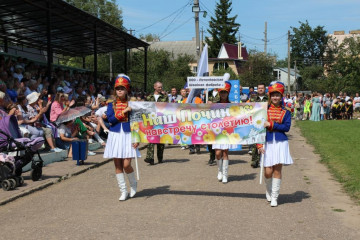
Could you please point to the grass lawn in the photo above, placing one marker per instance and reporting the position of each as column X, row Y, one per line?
column 338, row 143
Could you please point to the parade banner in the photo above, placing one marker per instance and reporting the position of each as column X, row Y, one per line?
column 220, row 123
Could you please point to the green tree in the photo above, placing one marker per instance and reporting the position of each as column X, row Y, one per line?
column 282, row 63
column 312, row 78
column 106, row 10
column 258, row 69
column 161, row 67
column 222, row 71
column 310, row 45
column 222, row 28
column 150, row 37
column 344, row 74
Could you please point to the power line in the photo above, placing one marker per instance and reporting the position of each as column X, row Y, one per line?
column 188, row 3
column 209, row 11
column 176, row 28
column 176, row 16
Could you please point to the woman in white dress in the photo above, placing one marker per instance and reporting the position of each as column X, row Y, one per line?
column 221, row 150
column 276, row 149
column 119, row 144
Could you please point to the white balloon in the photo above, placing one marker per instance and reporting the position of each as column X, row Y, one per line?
column 226, row 76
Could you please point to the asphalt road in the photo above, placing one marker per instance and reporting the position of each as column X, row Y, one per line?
column 182, row 199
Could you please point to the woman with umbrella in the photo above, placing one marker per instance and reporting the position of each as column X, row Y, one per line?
column 59, row 106
column 119, row 146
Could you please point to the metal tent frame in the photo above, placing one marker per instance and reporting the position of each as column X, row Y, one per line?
column 58, row 27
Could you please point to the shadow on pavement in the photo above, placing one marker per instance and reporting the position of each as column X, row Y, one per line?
column 245, row 177
column 176, row 160
column 232, row 162
column 295, row 197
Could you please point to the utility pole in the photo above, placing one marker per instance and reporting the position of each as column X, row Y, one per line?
column 202, row 40
column 130, row 53
column 111, row 70
column 265, row 39
column 197, row 7
column 289, row 61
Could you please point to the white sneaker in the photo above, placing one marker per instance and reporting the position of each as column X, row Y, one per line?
column 90, row 140
column 183, row 148
column 58, row 149
column 91, row 153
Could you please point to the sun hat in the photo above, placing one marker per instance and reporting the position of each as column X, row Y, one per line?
column 32, row 97
column 19, row 66
column 67, row 90
column 60, row 89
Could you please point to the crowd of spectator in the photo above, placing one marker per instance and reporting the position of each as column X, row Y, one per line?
column 36, row 101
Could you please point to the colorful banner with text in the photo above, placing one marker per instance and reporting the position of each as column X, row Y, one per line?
column 220, row 123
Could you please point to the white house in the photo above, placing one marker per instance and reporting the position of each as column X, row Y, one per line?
column 281, row 74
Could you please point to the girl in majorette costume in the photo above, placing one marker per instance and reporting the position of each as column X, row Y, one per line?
column 221, row 150
column 276, row 150
column 119, row 144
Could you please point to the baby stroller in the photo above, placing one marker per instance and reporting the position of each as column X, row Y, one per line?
column 25, row 148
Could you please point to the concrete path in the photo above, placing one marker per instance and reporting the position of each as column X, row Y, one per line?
column 182, row 199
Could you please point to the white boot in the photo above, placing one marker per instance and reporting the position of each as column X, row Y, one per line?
column 275, row 191
column 225, row 168
column 122, row 185
column 133, row 184
column 219, row 164
column 268, row 182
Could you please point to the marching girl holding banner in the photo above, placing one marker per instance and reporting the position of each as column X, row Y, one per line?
column 221, row 150
column 276, row 151
column 119, row 145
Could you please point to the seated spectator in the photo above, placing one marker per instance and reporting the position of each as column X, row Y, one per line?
column 68, row 132
column 32, row 87
column 34, row 107
column 12, row 89
column 348, row 110
column 2, row 107
column 357, row 102
column 18, row 72
column 57, row 107
column 24, row 118
column 335, row 109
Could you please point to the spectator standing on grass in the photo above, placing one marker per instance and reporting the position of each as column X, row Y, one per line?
column 315, row 107
column 326, row 103
column 357, row 102
column 307, row 107
column 299, row 105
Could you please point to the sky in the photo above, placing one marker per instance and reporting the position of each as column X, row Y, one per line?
column 173, row 20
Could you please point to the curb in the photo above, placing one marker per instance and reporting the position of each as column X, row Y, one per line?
column 51, row 182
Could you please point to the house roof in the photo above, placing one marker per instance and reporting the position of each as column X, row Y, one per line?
column 176, row 47
column 231, row 51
